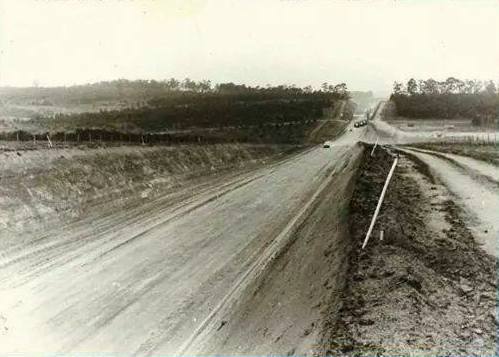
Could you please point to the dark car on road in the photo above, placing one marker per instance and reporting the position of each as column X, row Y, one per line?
column 360, row 123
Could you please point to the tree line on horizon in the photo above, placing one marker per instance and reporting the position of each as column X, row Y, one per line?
column 449, row 99
column 138, row 92
column 225, row 112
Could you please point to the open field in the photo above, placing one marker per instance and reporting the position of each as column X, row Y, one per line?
column 448, row 125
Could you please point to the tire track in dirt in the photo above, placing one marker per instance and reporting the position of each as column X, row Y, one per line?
column 255, row 272
column 474, row 191
column 104, row 230
column 481, row 171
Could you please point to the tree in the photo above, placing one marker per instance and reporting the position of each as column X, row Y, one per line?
column 412, row 86
column 341, row 89
column 460, row 85
column 474, row 86
column 451, row 85
column 205, row 86
column 490, row 88
column 397, row 88
column 173, row 84
column 421, row 84
column 431, row 86
column 189, row 84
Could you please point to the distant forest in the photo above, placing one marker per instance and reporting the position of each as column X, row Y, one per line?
column 225, row 111
column 138, row 93
column 452, row 98
column 174, row 105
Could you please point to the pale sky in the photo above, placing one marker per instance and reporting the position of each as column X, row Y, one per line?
column 367, row 44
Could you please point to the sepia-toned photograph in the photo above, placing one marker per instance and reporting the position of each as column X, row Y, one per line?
column 249, row 178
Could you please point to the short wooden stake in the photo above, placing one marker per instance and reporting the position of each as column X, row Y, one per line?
column 372, row 152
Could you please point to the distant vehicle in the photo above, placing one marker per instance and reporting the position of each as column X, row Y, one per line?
column 326, row 145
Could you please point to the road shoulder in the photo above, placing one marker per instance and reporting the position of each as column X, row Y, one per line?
column 428, row 287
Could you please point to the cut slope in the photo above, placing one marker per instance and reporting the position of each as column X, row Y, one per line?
column 41, row 185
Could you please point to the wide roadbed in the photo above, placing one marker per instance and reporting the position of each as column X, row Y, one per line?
column 152, row 279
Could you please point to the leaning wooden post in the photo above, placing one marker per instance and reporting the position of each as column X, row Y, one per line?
column 380, row 201
column 374, row 147
column 50, row 141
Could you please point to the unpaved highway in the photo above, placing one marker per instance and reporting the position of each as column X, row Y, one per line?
column 251, row 262
column 153, row 280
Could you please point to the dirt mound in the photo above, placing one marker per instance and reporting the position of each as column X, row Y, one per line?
column 427, row 287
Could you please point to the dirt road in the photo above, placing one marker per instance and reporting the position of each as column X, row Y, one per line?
column 156, row 278
column 474, row 185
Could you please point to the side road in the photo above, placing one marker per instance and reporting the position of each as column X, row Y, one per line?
column 475, row 186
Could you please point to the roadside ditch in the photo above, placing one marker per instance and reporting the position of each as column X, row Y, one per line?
column 427, row 288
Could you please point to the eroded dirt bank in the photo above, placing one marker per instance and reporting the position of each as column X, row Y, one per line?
column 428, row 287
column 40, row 186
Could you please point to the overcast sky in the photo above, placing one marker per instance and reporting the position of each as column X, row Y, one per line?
column 367, row 44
